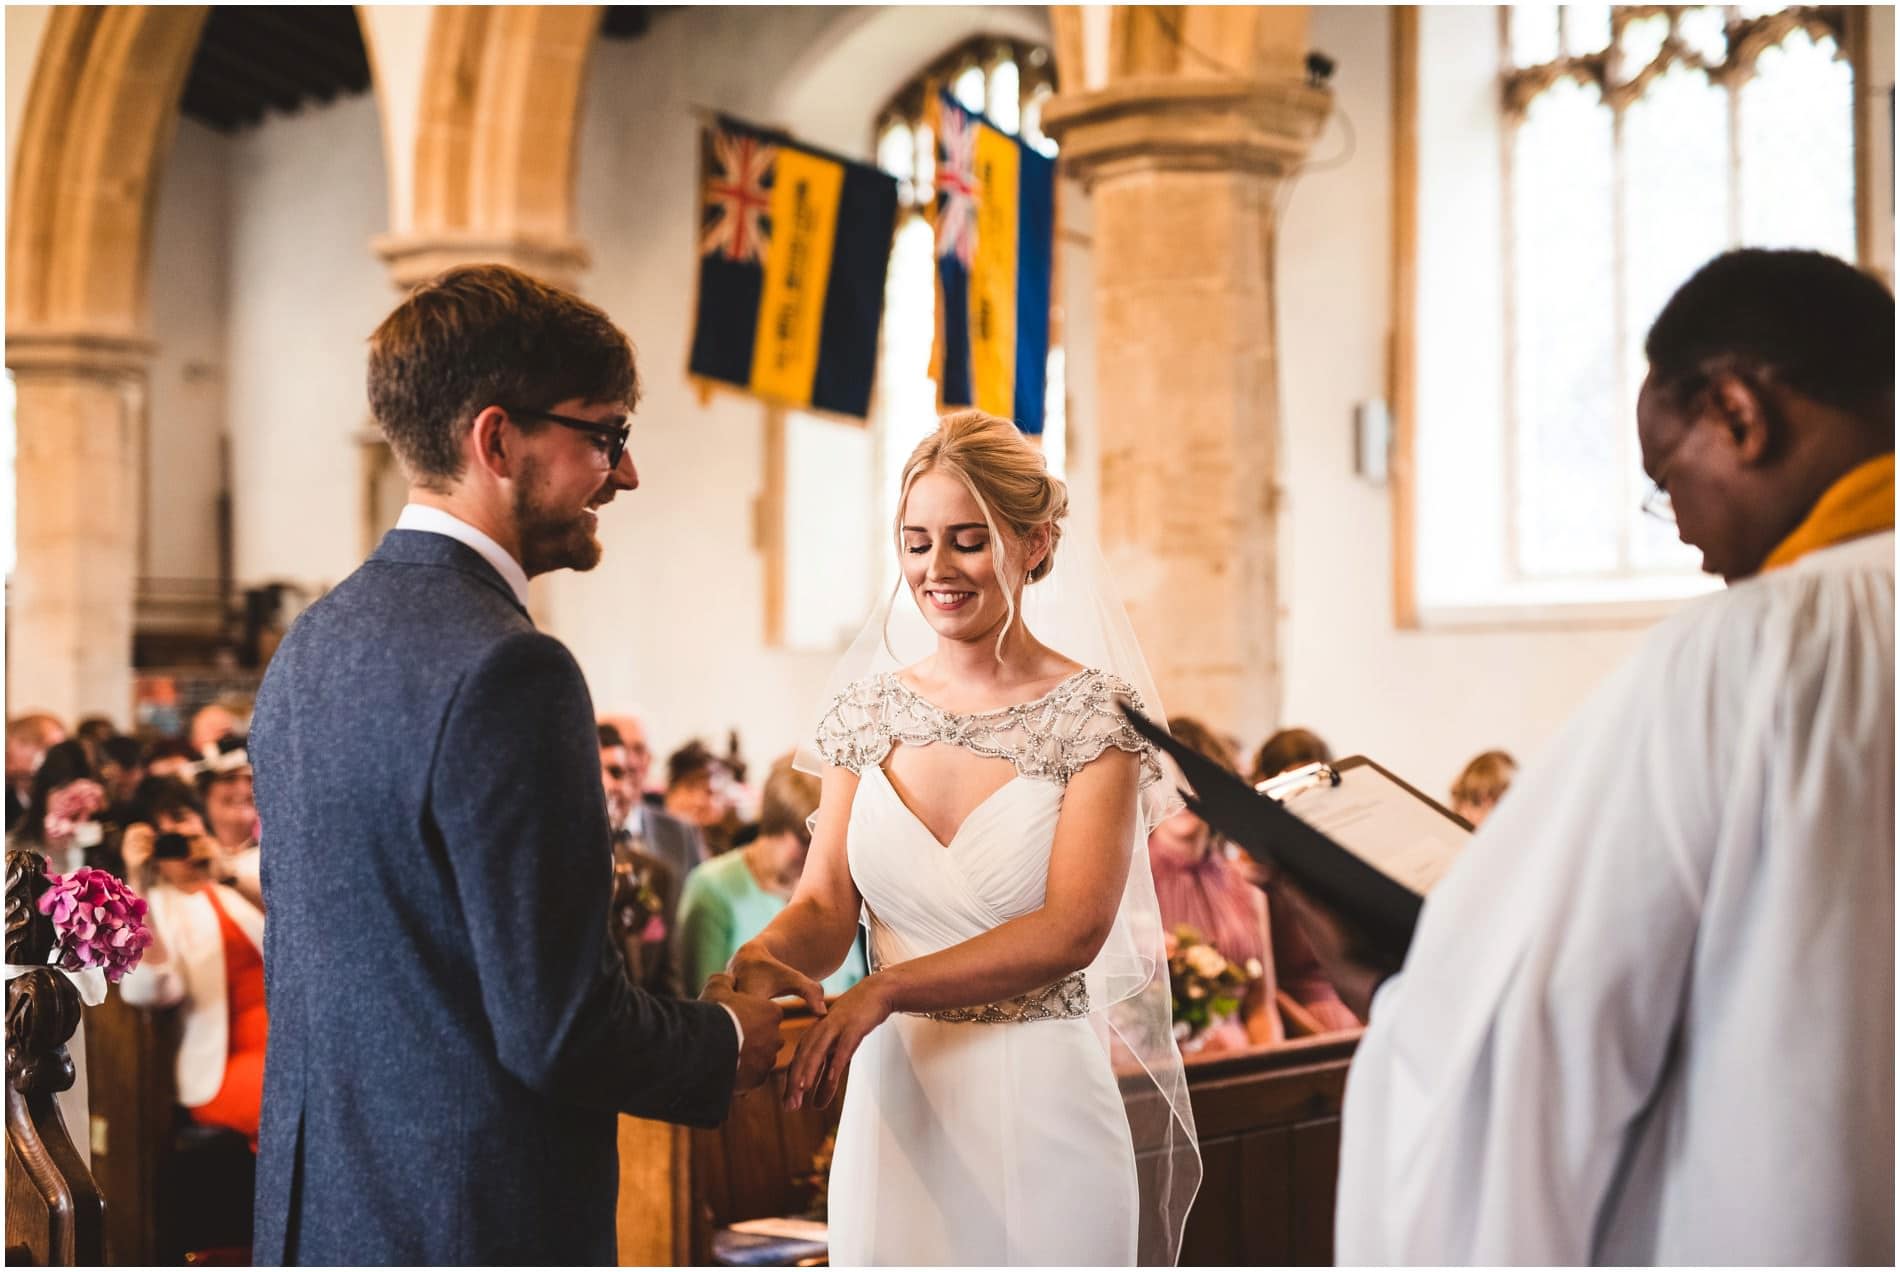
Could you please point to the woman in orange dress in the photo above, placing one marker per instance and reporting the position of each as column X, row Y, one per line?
column 207, row 959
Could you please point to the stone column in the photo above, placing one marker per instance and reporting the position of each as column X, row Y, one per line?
column 79, row 410
column 413, row 258
column 1184, row 174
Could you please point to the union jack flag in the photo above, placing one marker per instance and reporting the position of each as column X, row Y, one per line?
column 956, row 185
column 739, row 198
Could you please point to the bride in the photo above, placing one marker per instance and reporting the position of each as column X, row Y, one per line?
column 1015, row 1091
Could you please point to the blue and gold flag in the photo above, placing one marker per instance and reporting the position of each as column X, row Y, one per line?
column 793, row 248
column 995, row 219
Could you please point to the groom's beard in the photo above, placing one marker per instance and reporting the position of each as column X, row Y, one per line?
column 551, row 539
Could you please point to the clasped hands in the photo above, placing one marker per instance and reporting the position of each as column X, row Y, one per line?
column 824, row 1052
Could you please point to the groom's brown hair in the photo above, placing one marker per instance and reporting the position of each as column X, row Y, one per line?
column 486, row 335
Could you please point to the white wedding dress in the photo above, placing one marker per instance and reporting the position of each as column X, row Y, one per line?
column 991, row 1135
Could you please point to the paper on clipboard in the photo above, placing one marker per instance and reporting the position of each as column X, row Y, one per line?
column 1388, row 843
column 1381, row 820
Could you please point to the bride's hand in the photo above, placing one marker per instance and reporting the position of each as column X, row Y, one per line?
column 825, row 1052
column 756, row 970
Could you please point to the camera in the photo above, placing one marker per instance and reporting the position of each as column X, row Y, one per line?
column 171, row 847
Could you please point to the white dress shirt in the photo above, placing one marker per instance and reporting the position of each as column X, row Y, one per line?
column 435, row 521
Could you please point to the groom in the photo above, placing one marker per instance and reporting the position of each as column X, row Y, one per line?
column 452, row 1035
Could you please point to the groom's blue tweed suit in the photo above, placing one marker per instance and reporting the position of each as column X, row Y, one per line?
column 451, row 1034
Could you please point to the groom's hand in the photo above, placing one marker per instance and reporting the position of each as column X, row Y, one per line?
column 756, row 970
column 759, row 1018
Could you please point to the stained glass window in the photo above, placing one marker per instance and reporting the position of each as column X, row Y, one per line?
column 1643, row 140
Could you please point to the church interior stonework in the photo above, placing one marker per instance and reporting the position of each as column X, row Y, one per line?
column 1339, row 314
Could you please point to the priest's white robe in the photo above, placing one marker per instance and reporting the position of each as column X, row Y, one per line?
column 1648, row 1016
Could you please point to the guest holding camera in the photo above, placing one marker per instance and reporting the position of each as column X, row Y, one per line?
column 224, row 788
column 206, row 958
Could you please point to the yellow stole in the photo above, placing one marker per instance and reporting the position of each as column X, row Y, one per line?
column 1860, row 503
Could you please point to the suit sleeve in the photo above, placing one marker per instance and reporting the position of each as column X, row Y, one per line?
column 515, row 791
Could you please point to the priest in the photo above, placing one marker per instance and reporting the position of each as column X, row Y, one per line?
column 1648, row 1016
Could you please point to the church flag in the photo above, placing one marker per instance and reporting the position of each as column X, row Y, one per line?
column 995, row 222
column 793, row 248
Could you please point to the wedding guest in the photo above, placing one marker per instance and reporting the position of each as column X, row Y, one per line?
column 209, row 725
column 1289, row 749
column 28, row 739
column 206, row 959
column 1199, row 887
column 633, row 733
column 647, row 826
column 92, row 732
column 225, row 789
column 171, row 757
column 1293, row 956
column 694, row 776
column 1481, row 785
column 731, row 898
column 63, row 808
column 121, row 767
column 646, row 890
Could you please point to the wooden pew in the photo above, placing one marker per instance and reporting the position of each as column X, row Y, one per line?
column 55, row 1212
column 1268, row 1119
column 129, row 1054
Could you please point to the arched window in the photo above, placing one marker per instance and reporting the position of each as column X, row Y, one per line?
column 1643, row 140
column 1008, row 80
column 831, row 556
column 1562, row 170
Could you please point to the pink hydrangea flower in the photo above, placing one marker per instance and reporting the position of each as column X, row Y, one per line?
column 72, row 804
column 100, row 922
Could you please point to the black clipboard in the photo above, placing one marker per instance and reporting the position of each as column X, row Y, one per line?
column 1381, row 907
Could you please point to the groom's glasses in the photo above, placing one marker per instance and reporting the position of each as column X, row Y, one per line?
column 615, row 434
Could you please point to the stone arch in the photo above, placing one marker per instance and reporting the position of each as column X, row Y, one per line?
column 100, row 117
column 497, row 126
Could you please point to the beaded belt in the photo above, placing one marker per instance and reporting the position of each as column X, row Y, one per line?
column 1066, row 999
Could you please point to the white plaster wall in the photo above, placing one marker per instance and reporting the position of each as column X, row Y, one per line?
column 190, row 316
column 307, row 195
column 672, row 622
column 1421, row 702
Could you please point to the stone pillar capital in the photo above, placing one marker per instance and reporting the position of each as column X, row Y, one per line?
column 415, row 257
column 1248, row 124
column 92, row 355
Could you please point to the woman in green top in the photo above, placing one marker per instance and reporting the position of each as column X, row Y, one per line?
column 727, row 901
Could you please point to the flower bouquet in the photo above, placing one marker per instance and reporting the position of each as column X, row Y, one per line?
column 1208, row 989
column 99, row 923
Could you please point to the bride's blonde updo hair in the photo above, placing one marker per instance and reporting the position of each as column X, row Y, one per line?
column 1007, row 477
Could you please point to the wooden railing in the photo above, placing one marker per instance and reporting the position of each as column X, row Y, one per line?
column 55, row 1214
